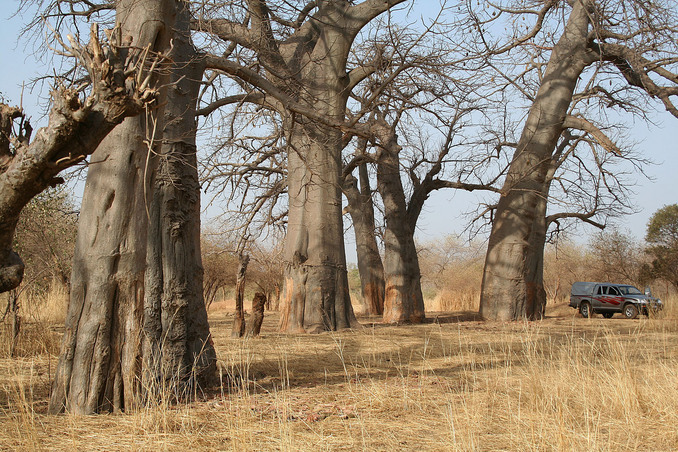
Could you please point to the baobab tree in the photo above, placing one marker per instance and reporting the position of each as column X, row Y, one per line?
column 423, row 168
column 417, row 106
column 299, row 53
column 630, row 45
column 136, row 324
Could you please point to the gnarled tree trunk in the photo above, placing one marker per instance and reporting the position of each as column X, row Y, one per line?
column 238, row 329
column 370, row 266
column 512, row 285
column 258, row 304
column 403, row 299
column 177, row 346
column 119, row 340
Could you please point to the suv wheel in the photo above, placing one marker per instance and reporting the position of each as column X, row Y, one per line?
column 585, row 310
column 630, row 311
column 608, row 315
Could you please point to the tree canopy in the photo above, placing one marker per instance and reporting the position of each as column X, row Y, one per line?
column 662, row 239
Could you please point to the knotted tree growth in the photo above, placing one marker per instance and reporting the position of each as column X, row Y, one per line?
column 117, row 79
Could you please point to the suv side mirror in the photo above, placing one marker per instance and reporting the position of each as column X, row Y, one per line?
column 648, row 291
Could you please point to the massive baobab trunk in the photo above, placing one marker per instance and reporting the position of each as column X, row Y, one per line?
column 110, row 345
column 176, row 342
column 403, row 300
column 370, row 266
column 512, row 285
column 315, row 292
column 99, row 362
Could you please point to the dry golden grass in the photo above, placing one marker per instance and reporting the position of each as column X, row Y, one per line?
column 565, row 383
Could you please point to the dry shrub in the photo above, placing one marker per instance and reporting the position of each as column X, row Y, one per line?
column 41, row 314
column 447, row 299
column 670, row 311
column 451, row 273
column 49, row 308
column 35, row 339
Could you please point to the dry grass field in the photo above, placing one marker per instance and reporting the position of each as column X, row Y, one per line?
column 565, row 383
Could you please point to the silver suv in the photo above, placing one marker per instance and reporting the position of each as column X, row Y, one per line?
column 607, row 299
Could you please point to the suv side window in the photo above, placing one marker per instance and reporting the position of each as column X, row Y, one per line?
column 613, row 291
column 600, row 290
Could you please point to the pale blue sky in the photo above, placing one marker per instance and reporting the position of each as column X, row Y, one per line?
column 442, row 214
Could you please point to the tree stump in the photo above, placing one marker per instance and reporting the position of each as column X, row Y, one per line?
column 258, row 304
column 239, row 320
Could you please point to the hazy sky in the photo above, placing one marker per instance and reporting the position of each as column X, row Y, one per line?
column 443, row 212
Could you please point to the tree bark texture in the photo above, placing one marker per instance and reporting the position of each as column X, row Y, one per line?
column 113, row 351
column 258, row 304
column 370, row 266
column 315, row 291
column 99, row 362
column 238, row 329
column 177, row 345
column 512, row 286
column 403, row 299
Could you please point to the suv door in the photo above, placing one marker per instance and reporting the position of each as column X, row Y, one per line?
column 598, row 294
column 615, row 297
column 611, row 299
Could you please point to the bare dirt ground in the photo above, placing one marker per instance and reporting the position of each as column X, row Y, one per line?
column 453, row 383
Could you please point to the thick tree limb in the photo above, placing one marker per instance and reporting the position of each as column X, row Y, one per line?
column 255, row 98
column 636, row 70
column 119, row 89
column 575, row 122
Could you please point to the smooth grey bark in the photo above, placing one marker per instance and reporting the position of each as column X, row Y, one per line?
column 121, row 344
column 512, row 286
column 403, row 299
column 315, row 294
column 370, row 266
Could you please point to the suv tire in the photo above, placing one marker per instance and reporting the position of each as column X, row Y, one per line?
column 630, row 311
column 585, row 309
